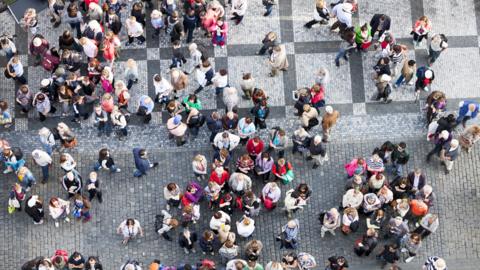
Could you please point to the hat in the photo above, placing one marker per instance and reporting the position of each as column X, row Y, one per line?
column 32, row 201
column 444, row 135
column 37, row 42
column 428, row 74
column 45, row 82
column 177, row 119
column 440, row 264
column 329, row 109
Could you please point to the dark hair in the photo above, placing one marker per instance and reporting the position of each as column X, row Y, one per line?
column 176, row 43
column 171, row 186
column 411, row 62
column 223, row 72
column 402, row 145
column 364, row 27
column 142, row 152
column 157, row 77
column 187, row 267
column 247, row 76
column 217, row 215
column 102, row 154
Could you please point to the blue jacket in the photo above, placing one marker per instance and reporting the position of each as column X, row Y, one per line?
column 464, row 109
column 140, row 163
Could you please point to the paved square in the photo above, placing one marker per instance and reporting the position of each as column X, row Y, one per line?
column 363, row 125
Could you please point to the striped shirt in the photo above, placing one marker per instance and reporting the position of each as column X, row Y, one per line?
column 430, row 263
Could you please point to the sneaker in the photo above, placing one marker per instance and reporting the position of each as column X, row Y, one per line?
column 167, row 207
column 57, row 224
column 7, row 171
column 38, row 223
column 67, row 220
column 186, row 251
column 140, row 43
column 410, row 83
column 118, row 170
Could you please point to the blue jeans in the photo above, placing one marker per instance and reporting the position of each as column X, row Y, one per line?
column 397, row 169
column 219, row 90
column 45, row 174
column 269, row 9
column 341, row 53
column 400, row 80
column 137, row 173
column 97, row 167
column 48, row 148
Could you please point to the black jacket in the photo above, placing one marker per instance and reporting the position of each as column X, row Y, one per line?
column 183, row 242
column 214, row 125
column 376, row 21
column 318, row 149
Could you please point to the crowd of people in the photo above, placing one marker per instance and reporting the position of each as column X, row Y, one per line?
column 394, row 204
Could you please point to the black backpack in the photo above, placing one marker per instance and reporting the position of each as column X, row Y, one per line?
column 158, row 222
column 17, row 152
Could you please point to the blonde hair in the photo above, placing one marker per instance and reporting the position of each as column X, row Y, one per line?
column 131, row 63
column 199, row 158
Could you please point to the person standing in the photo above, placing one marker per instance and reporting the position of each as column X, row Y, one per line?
column 81, row 208
column 438, row 44
column 43, row 160
column 420, row 30
column 449, row 154
column 34, row 209
column 269, row 41
column 468, row 109
column 142, row 163
column 328, row 121
column 129, row 228
column 425, row 77
column 59, row 210
column 177, row 129
column 317, row 152
column 366, row 244
column 187, row 240
column 93, row 185
column 321, row 14
column 400, row 157
column 239, row 8
column 289, row 234
column 380, row 23
column 434, row 263
column 469, row 137
column 278, row 60
column 105, row 161
column 214, row 124
column 190, row 23
column 406, row 74
column 134, row 31
column 14, row 70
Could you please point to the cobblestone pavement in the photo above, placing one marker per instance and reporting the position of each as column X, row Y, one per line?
column 364, row 124
column 142, row 199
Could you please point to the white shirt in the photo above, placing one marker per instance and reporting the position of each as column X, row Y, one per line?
column 90, row 49
column 163, row 87
column 342, row 16
column 274, row 194
column 216, row 223
column 245, row 230
column 69, row 164
column 219, row 80
column 239, row 7
column 41, row 158
column 130, row 231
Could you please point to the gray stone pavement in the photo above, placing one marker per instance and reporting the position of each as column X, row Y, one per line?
column 363, row 125
column 142, row 199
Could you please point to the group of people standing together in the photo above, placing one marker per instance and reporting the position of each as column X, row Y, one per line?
column 395, row 205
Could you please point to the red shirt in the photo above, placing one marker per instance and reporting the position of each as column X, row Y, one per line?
column 281, row 170
column 219, row 179
column 253, row 149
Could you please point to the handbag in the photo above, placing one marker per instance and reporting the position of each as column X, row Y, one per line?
column 288, row 177
column 70, row 144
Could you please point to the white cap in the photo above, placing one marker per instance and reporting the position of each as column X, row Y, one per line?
column 45, row 82
column 329, row 109
column 428, row 74
column 37, row 42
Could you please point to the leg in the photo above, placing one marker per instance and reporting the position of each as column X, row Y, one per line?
column 399, row 80
column 340, row 54
column 45, row 174
column 311, row 23
column 129, row 84
column 269, row 9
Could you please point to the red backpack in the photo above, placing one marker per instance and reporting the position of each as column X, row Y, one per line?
column 50, row 62
column 61, row 253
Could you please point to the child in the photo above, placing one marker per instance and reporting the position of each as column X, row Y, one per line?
column 93, row 187
column 82, row 208
column 219, row 36
column 178, row 58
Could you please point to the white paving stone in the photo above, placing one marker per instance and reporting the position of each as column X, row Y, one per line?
column 339, row 89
